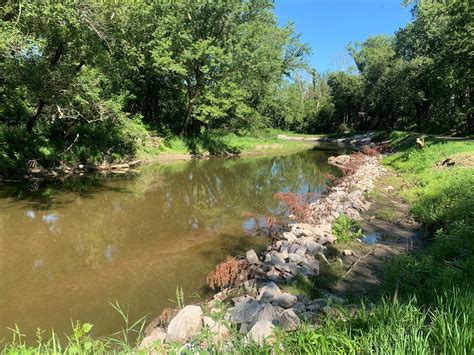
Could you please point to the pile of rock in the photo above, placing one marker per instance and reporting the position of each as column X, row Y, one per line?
column 262, row 305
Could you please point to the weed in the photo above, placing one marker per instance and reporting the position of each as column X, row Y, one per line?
column 345, row 229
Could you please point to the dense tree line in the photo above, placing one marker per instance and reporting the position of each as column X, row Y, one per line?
column 97, row 72
column 419, row 79
column 90, row 80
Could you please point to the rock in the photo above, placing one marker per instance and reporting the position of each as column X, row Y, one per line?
column 268, row 258
column 301, row 251
column 273, row 275
column 296, row 258
column 245, row 312
column 186, row 324
column 242, row 299
column 347, row 252
column 293, row 248
column 260, row 331
column 290, row 236
column 312, row 263
column 277, row 260
column 157, row 334
column 270, row 313
column 328, row 239
column 299, row 307
column 244, row 328
column 270, row 289
column 285, row 300
column 313, row 246
column 219, row 331
column 252, row 257
column 289, row 320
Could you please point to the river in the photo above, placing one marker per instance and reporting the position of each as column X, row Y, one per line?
column 69, row 248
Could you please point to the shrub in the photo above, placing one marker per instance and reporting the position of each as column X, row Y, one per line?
column 227, row 273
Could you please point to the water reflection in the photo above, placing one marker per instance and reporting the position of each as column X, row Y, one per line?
column 133, row 239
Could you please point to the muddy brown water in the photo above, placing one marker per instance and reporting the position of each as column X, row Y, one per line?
column 69, row 248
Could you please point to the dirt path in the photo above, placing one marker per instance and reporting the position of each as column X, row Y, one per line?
column 390, row 230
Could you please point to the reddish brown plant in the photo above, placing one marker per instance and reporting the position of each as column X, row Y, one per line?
column 371, row 152
column 296, row 204
column 227, row 272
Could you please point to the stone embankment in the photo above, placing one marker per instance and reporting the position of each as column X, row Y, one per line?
column 354, row 140
column 259, row 303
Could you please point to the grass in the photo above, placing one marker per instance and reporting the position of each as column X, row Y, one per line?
column 217, row 144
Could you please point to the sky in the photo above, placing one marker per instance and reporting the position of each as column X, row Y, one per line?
column 329, row 25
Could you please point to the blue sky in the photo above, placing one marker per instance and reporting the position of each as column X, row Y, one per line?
column 329, row 25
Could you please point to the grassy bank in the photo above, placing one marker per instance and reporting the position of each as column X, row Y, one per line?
column 20, row 153
column 426, row 303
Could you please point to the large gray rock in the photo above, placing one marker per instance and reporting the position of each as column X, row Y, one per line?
column 293, row 248
column 289, row 320
column 260, row 331
column 270, row 313
column 312, row 264
column 277, row 259
column 186, row 324
column 285, row 300
column 245, row 312
column 242, row 299
column 301, row 251
column 252, row 257
column 270, row 290
column 313, row 246
column 156, row 335
column 296, row 258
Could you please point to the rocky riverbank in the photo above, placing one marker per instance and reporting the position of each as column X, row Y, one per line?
column 258, row 303
column 355, row 140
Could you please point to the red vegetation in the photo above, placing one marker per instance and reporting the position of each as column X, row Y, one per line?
column 227, row 272
column 371, row 152
column 355, row 161
column 295, row 204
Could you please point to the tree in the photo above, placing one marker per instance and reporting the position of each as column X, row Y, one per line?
column 347, row 93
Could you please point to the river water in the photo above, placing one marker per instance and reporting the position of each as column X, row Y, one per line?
column 69, row 248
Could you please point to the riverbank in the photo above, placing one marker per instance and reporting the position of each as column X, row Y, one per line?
column 154, row 150
column 437, row 182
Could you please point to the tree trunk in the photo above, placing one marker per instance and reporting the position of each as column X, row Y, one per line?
column 30, row 124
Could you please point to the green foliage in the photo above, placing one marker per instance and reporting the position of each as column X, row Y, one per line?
column 83, row 79
column 345, row 229
column 393, row 328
